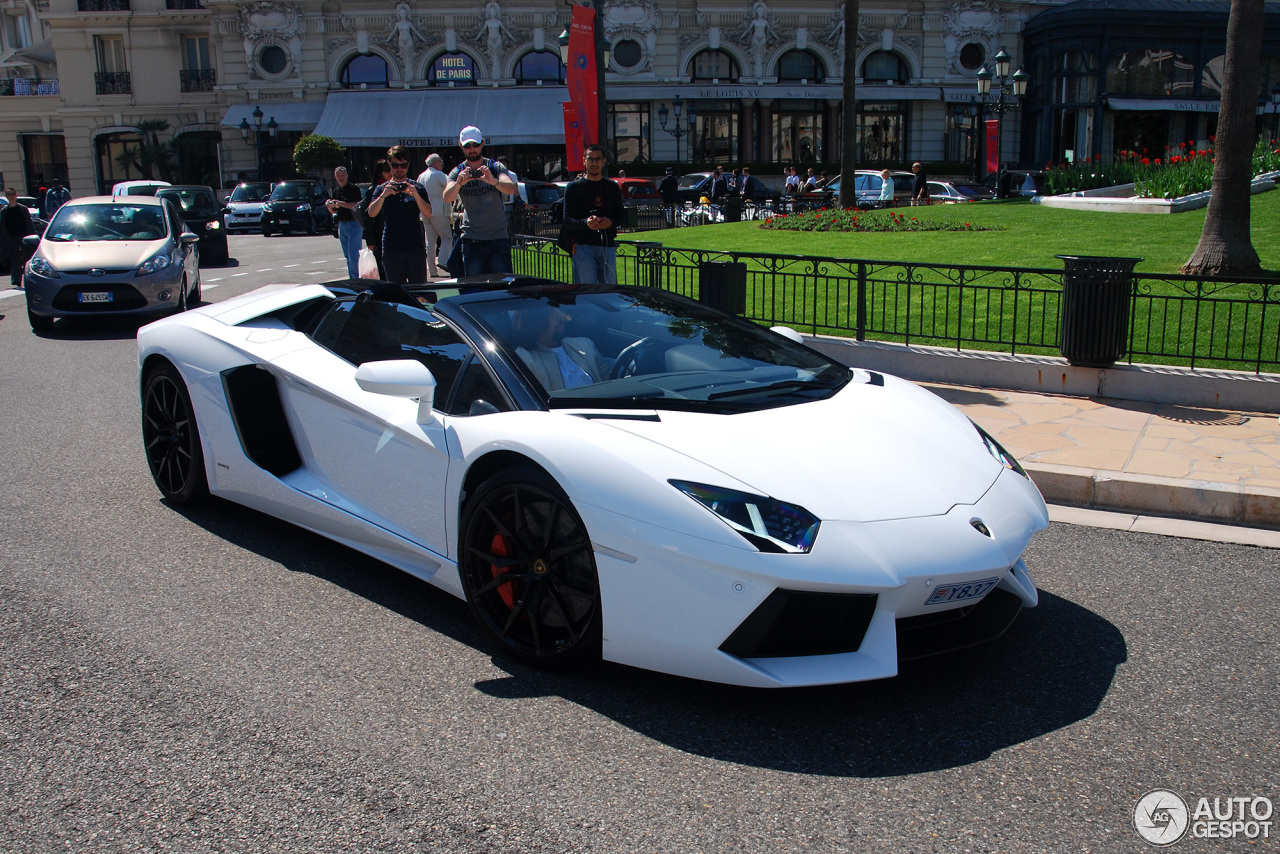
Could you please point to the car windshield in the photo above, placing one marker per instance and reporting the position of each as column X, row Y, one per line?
column 142, row 190
column 689, row 182
column 291, row 192
column 106, row 222
column 637, row 191
column 971, row 190
column 192, row 203
column 546, row 195
column 649, row 349
column 251, row 192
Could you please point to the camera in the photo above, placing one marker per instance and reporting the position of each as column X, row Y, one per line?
column 474, row 172
column 398, row 186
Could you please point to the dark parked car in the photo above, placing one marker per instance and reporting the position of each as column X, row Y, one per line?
column 694, row 186
column 198, row 206
column 1019, row 182
column 296, row 206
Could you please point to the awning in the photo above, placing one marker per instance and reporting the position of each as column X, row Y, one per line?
column 289, row 115
column 1186, row 105
column 432, row 118
column 40, row 53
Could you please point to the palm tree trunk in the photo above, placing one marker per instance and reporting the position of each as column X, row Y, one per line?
column 849, row 110
column 1225, row 247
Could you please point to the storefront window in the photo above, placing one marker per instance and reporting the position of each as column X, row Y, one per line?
column 1150, row 72
column 629, row 130
column 365, row 72
column 1211, row 77
column 197, row 158
column 452, row 69
column 881, row 133
column 539, row 66
column 46, row 159
column 114, row 164
column 714, row 66
column 715, row 137
column 797, row 137
column 800, row 66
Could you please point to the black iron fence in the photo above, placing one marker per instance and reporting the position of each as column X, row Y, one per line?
column 1173, row 319
column 545, row 222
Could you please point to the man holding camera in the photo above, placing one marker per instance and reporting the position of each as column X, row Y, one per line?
column 592, row 209
column 481, row 183
column 402, row 203
column 342, row 202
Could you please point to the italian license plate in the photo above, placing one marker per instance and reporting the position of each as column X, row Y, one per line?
column 962, row 592
column 96, row 296
column 284, row 222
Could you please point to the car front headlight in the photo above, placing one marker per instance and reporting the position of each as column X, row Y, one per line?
column 1001, row 456
column 159, row 262
column 768, row 524
column 41, row 267
column 304, row 207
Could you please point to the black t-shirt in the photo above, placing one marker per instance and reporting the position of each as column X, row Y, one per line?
column 16, row 220
column 402, row 223
column 348, row 193
column 582, row 198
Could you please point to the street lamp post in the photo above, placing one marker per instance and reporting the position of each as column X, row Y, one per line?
column 263, row 138
column 678, row 130
column 1008, row 91
column 1275, row 113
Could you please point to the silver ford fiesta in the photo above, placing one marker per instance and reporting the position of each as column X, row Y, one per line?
column 109, row 256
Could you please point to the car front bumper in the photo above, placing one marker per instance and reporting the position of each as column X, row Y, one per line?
column 116, row 293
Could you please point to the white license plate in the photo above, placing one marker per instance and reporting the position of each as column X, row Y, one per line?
column 961, row 592
column 96, row 296
column 284, row 222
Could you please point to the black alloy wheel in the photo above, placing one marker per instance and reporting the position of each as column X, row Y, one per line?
column 529, row 570
column 171, row 437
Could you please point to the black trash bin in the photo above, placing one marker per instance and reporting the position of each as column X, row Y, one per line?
column 732, row 209
column 723, row 285
column 1095, row 309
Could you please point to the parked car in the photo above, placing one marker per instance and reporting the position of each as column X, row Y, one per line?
column 200, row 211
column 952, row 192
column 638, row 191
column 694, row 186
column 430, row 426
column 244, row 206
column 146, row 187
column 867, row 184
column 111, row 255
column 297, row 205
column 540, row 195
column 1019, row 182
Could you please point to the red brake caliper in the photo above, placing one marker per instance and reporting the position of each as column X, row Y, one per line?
column 506, row 589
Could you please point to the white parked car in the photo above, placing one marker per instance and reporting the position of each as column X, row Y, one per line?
column 603, row 471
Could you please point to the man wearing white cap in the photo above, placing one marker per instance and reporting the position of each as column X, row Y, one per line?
column 480, row 183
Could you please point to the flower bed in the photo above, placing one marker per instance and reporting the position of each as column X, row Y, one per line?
column 1178, row 173
column 837, row 219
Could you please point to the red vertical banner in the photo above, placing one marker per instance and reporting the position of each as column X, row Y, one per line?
column 993, row 145
column 581, row 74
column 574, row 147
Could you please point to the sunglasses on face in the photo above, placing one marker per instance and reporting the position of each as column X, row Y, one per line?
column 399, row 165
column 471, row 145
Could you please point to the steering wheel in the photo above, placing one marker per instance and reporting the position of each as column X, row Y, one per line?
column 628, row 361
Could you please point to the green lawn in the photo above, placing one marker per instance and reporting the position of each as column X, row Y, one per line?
column 1022, row 235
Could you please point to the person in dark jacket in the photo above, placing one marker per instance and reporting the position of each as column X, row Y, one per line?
column 15, row 224
column 919, row 187
column 669, row 189
column 373, row 224
column 592, row 209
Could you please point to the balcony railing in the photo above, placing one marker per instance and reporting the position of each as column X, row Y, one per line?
column 28, row 86
column 102, row 5
column 198, row 80
column 113, row 82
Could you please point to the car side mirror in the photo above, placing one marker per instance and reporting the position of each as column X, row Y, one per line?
column 31, row 241
column 401, row 378
column 189, row 239
column 788, row 333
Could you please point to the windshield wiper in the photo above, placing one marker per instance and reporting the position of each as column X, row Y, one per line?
column 785, row 385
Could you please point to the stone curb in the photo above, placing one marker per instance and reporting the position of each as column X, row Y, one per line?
column 1097, row 489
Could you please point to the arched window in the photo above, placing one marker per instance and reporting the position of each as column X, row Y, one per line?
column 884, row 66
column 1150, row 71
column 452, row 69
column 798, row 66
column 539, row 65
column 365, row 72
column 117, row 158
column 714, row 66
column 1211, row 77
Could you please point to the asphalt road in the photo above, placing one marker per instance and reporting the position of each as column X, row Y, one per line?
column 214, row 680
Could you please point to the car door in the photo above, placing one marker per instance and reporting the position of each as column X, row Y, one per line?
column 366, row 451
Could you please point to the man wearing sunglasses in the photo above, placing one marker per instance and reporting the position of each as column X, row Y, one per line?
column 481, row 183
column 592, row 209
column 402, row 203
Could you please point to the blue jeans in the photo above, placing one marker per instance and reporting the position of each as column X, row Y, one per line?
column 351, row 236
column 484, row 256
column 595, row 265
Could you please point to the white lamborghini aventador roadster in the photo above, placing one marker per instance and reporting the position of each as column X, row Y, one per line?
column 603, row 471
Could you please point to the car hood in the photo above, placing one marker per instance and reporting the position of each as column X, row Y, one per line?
column 104, row 254
column 868, row 454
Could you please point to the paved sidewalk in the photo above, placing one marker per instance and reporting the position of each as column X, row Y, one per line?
column 1146, row 458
